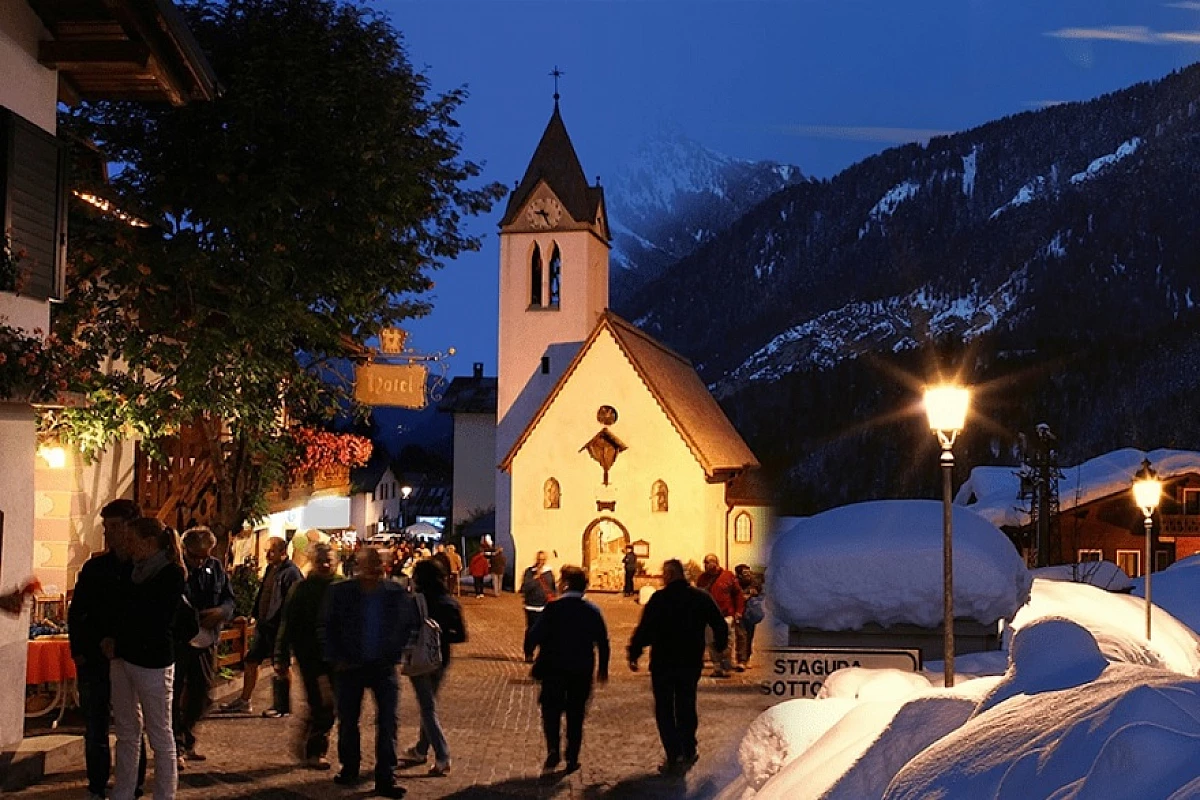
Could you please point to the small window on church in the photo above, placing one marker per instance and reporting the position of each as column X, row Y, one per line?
column 658, row 496
column 555, row 277
column 553, row 494
column 743, row 529
column 535, row 278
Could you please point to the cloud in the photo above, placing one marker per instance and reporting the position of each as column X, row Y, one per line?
column 1043, row 103
column 1136, row 34
column 862, row 133
column 1190, row 5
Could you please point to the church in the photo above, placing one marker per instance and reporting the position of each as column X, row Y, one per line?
column 605, row 437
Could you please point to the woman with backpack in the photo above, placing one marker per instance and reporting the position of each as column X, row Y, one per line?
column 429, row 582
column 751, row 616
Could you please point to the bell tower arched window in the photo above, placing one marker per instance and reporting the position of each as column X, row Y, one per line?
column 658, row 496
column 555, row 277
column 535, row 278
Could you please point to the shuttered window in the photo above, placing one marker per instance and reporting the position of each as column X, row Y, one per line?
column 33, row 204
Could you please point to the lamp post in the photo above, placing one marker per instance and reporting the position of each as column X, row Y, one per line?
column 1147, row 491
column 405, row 491
column 946, row 407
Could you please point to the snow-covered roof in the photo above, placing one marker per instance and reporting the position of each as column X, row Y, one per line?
column 881, row 562
column 994, row 492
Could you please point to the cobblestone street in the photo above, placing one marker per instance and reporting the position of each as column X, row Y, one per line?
column 489, row 711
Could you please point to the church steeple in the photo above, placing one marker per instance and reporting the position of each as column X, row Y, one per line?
column 556, row 163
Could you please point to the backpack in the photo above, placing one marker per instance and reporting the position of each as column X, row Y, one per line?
column 754, row 613
column 423, row 654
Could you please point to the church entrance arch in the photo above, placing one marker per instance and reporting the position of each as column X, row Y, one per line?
column 604, row 544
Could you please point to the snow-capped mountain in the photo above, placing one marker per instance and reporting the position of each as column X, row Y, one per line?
column 1059, row 248
column 673, row 196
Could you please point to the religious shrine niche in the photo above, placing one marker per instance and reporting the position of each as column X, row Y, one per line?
column 604, row 448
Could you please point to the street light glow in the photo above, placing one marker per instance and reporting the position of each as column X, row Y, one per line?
column 946, row 406
column 1147, row 491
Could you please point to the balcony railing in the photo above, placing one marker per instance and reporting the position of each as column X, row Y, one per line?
column 1181, row 524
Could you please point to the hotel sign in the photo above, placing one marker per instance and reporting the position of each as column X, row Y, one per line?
column 398, row 385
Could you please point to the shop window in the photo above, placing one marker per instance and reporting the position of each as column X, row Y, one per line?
column 552, row 494
column 658, row 496
column 743, row 529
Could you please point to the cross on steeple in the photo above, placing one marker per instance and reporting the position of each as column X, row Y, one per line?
column 556, row 74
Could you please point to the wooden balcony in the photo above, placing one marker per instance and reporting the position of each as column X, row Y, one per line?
column 1180, row 525
column 334, row 481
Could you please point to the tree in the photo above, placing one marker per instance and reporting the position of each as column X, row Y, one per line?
column 289, row 221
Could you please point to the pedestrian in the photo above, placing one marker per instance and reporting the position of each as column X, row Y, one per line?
column 90, row 613
column 673, row 625
column 727, row 593
column 277, row 581
column 630, row 562
column 455, row 571
column 752, row 614
column 478, row 569
column 442, row 558
column 298, row 636
column 350, row 561
column 209, row 592
column 365, row 626
column 429, row 580
column 571, row 641
column 498, row 564
column 139, row 640
column 537, row 588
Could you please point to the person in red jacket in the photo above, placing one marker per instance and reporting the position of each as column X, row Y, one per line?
column 727, row 592
column 478, row 568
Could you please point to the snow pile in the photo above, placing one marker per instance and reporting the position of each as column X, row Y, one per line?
column 1132, row 733
column 1175, row 590
column 881, row 562
column 993, row 492
column 1048, row 655
column 1102, row 574
column 859, row 683
column 783, row 732
column 1118, row 624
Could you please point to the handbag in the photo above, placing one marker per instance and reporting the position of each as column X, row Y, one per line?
column 423, row 654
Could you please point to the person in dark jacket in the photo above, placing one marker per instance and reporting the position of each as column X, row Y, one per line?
column 211, row 595
column 430, row 582
column 537, row 588
column 140, row 643
column 673, row 627
column 96, row 589
column 571, row 640
column 278, row 580
column 630, row 562
column 365, row 626
column 298, row 636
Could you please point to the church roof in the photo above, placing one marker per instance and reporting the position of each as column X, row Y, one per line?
column 676, row 387
column 555, row 162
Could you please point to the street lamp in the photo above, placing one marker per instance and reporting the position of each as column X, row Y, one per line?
column 946, row 407
column 405, row 491
column 1147, row 490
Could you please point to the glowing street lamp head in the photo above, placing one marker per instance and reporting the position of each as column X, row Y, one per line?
column 946, row 407
column 405, row 491
column 1147, row 488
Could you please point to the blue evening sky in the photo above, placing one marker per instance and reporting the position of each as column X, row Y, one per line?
column 815, row 83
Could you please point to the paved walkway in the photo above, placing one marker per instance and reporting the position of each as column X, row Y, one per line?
column 488, row 707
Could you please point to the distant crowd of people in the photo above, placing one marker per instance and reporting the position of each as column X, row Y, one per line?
column 147, row 611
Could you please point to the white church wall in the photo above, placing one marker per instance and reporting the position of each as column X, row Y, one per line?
column 18, row 441
column 694, row 522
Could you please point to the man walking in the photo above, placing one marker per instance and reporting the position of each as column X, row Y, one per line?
column 366, row 624
column 630, row 562
column 499, row 565
column 727, row 593
column 98, row 585
column 210, row 594
column 537, row 589
column 455, row 569
column 673, row 627
column 280, row 577
column 298, row 636
column 570, row 638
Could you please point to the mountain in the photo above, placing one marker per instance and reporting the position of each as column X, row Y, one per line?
column 1053, row 254
column 674, row 195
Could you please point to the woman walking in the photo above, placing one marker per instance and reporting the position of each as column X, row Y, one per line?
column 429, row 580
column 141, row 647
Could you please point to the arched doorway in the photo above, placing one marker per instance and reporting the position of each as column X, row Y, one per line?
column 604, row 544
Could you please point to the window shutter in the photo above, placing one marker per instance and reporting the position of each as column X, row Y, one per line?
column 33, row 204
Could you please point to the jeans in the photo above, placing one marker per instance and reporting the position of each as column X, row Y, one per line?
column 745, row 642
column 478, row 581
column 426, row 687
column 318, row 688
column 142, row 695
column 95, row 701
column 722, row 659
column 675, row 710
column 350, row 685
column 564, row 693
column 193, row 679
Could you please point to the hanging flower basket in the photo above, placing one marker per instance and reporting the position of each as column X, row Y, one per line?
column 320, row 452
column 32, row 369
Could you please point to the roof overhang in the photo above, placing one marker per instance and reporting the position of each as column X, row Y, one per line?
column 123, row 50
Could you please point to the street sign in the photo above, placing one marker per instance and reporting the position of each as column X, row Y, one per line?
column 796, row 672
column 399, row 385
